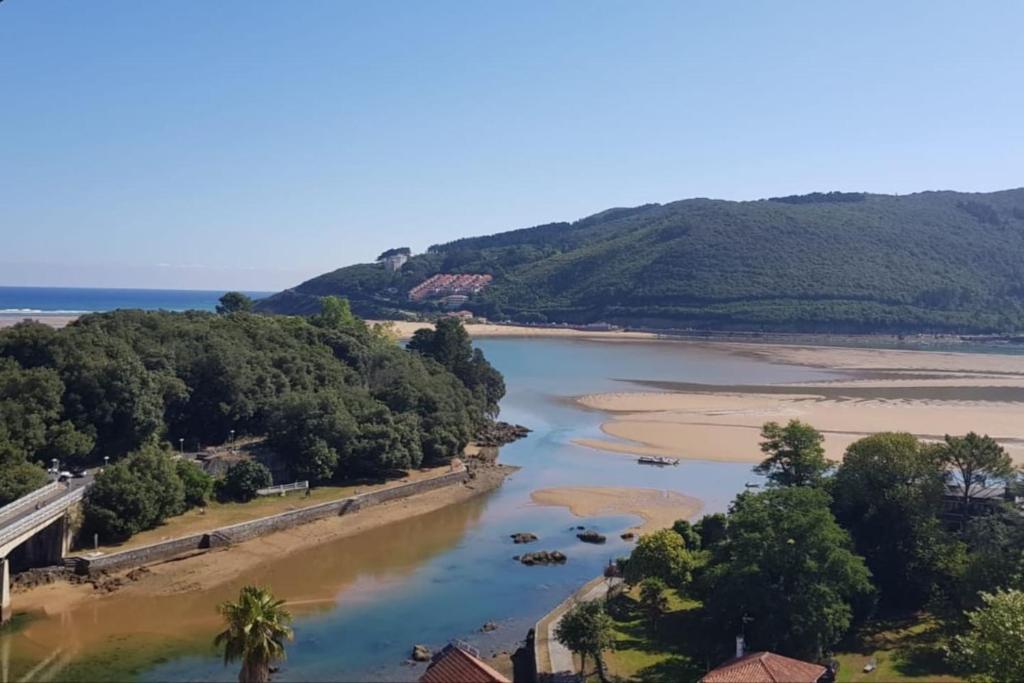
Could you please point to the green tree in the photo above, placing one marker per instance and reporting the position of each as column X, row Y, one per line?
column 134, row 494
column 234, row 302
column 991, row 649
column 242, row 480
column 663, row 555
column 256, row 628
column 978, row 463
column 19, row 478
column 688, row 533
column 786, row 574
column 586, row 630
column 197, row 483
column 449, row 344
column 711, row 529
column 653, row 600
column 795, row 455
column 888, row 493
column 335, row 313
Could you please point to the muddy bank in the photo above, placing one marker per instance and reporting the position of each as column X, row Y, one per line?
column 208, row 570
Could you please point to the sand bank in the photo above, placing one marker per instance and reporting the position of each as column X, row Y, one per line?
column 926, row 393
column 659, row 509
column 406, row 330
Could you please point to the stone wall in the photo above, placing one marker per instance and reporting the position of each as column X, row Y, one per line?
column 259, row 527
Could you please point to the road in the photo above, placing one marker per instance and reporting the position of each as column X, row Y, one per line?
column 21, row 512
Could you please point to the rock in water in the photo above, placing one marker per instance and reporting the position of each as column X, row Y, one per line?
column 421, row 653
column 488, row 627
column 524, row 537
column 591, row 536
column 628, row 536
column 543, row 557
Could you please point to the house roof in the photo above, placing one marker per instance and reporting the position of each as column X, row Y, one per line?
column 455, row 665
column 764, row 667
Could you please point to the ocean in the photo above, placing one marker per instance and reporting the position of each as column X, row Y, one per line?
column 77, row 300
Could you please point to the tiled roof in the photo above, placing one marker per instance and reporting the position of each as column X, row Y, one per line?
column 765, row 667
column 455, row 665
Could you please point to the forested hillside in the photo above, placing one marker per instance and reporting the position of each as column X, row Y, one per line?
column 335, row 398
column 934, row 261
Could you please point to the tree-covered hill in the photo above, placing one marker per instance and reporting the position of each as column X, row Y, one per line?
column 851, row 262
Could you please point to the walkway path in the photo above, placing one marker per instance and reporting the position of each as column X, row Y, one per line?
column 552, row 656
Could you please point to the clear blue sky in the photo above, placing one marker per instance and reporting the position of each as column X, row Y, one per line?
column 245, row 144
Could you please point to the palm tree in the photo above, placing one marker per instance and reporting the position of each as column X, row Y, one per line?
column 257, row 628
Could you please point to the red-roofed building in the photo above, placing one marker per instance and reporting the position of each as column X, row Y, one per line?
column 457, row 663
column 765, row 667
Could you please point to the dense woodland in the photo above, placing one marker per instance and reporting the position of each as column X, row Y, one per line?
column 335, row 399
column 826, row 547
column 848, row 262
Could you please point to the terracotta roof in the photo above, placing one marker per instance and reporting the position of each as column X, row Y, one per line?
column 455, row 665
column 765, row 667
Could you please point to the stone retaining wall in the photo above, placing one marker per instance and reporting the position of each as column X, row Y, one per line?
column 258, row 527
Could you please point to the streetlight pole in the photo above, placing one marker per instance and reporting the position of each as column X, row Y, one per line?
column 106, row 461
column 232, row 441
column 181, row 446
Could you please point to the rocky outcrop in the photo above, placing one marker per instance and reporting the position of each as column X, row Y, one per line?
column 523, row 537
column 500, row 433
column 628, row 536
column 591, row 536
column 421, row 653
column 543, row 557
column 488, row 627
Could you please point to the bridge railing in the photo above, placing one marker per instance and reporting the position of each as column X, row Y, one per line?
column 16, row 506
column 283, row 488
column 9, row 533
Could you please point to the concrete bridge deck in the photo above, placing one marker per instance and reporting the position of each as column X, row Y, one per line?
column 42, row 513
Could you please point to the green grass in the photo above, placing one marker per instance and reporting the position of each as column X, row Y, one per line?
column 653, row 655
column 908, row 648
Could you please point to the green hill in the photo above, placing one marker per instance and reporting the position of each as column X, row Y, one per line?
column 843, row 262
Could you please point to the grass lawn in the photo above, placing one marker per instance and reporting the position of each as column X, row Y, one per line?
column 908, row 648
column 224, row 514
column 644, row 655
column 905, row 649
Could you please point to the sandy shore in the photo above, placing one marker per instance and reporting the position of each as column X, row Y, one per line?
column 929, row 394
column 9, row 319
column 659, row 509
column 207, row 570
column 406, row 330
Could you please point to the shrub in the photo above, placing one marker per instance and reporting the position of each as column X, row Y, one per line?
column 243, row 480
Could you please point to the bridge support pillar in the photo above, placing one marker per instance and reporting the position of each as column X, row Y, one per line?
column 5, row 590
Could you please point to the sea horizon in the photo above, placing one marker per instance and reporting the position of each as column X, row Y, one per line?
column 42, row 301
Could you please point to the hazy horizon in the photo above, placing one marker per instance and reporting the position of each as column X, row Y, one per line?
column 255, row 145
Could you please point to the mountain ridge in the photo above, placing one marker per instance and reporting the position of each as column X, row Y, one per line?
column 936, row 261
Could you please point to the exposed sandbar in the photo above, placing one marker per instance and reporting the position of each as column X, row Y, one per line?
column 658, row 508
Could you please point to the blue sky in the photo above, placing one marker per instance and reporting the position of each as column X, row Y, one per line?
column 252, row 144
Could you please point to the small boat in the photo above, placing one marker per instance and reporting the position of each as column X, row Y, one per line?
column 655, row 460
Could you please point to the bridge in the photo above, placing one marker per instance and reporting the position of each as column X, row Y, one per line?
column 35, row 531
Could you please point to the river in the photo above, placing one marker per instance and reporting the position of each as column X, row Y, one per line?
column 363, row 601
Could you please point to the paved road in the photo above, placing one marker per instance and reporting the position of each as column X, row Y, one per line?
column 24, row 511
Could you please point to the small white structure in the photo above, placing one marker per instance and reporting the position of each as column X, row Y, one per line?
column 394, row 262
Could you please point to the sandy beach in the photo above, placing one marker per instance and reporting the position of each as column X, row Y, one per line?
column 9, row 319
column 926, row 393
column 658, row 508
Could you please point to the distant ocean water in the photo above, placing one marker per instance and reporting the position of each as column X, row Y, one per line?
column 77, row 300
